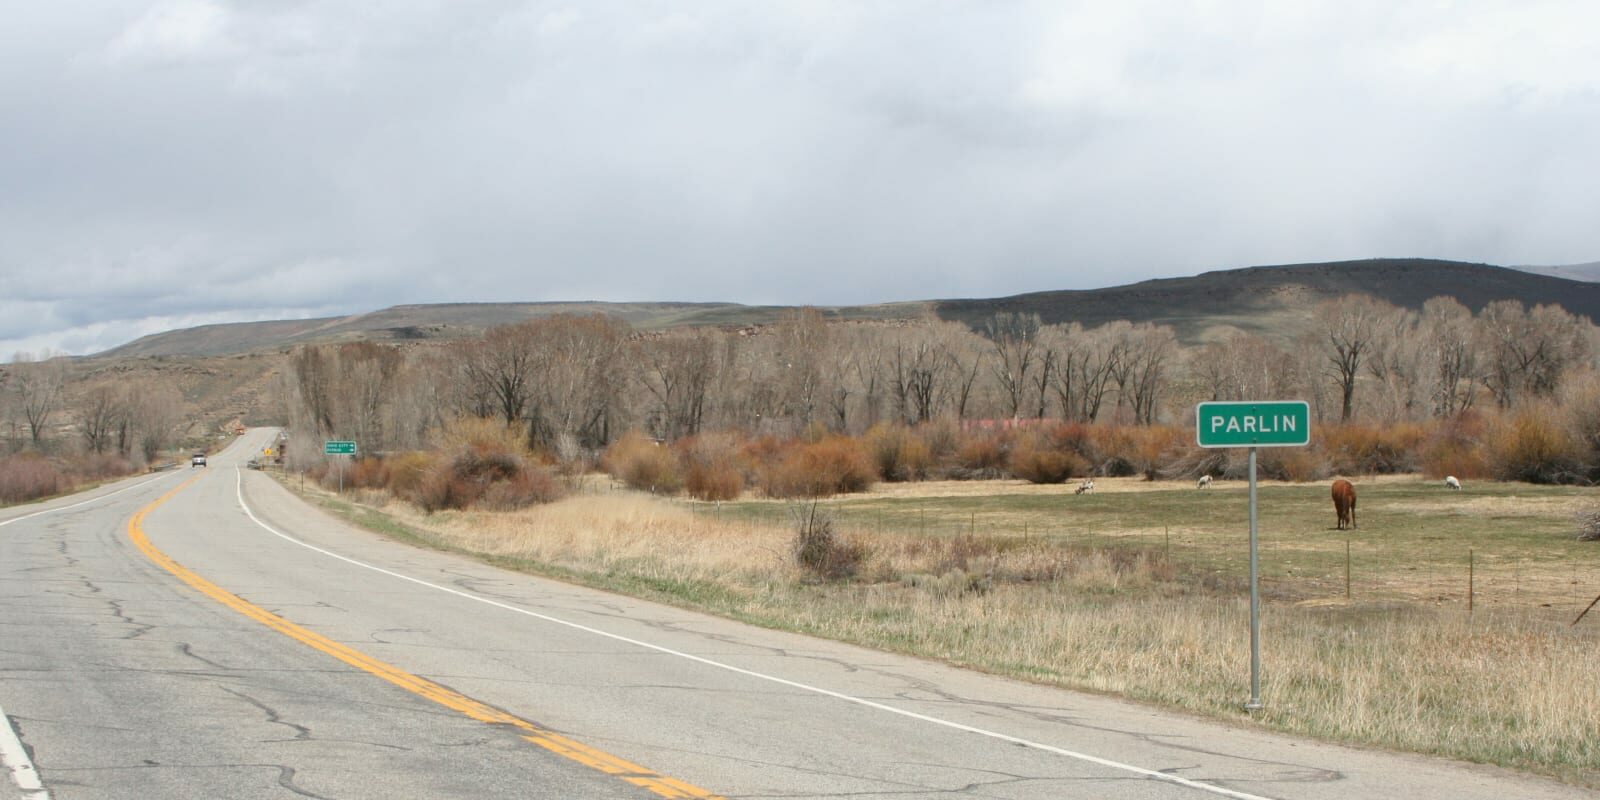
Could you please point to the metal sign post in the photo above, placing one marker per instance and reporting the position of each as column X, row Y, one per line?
column 1253, row 425
column 1255, row 598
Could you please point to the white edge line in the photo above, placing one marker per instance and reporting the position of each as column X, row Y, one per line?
column 15, row 757
column 95, row 499
column 1149, row 773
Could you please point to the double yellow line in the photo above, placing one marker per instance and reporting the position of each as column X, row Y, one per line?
column 554, row 742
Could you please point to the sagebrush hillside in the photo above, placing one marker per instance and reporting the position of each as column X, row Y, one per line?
column 1272, row 299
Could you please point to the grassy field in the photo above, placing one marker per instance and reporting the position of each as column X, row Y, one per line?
column 1139, row 589
column 1417, row 540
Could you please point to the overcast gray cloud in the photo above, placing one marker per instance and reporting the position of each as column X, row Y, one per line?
column 189, row 161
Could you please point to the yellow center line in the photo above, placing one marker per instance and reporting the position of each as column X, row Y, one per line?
column 579, row 752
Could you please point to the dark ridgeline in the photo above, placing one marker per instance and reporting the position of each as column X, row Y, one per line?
column 1253, row 298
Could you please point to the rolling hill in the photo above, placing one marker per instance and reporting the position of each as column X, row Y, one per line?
column 1264, row 299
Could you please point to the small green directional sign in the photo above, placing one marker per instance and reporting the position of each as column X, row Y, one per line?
column 1277, row 423
column 334, row 448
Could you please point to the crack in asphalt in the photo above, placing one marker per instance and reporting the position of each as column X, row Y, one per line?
column 301, row 732
column 186, row 649
column 140, row 628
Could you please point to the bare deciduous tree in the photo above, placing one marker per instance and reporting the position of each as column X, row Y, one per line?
column 1085, row 362
column 1348, row 326
column 102, row 414
column 156, row 413
column 1015, row 342
column 1148, row 354
column 1397, row 364
column 36, row 385
column 1526, row 352
column 1447, row 331
column 504, row 363
column 677, row 371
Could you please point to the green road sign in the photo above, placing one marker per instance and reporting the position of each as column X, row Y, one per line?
column 1279, row 423
column 339, row 448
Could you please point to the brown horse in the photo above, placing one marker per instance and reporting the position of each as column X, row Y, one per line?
column 1344, row 503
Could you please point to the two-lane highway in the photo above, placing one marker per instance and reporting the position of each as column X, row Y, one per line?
column 204, row 634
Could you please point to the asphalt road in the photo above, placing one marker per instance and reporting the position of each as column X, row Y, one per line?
column 203, row 634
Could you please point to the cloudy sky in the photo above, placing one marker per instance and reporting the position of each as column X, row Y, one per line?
column 180, row 162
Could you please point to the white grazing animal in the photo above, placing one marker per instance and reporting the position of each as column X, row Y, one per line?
column 1450, row 481
column 1205, row 480
column 1086, row 486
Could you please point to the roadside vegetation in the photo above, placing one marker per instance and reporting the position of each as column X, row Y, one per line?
column 62, row 436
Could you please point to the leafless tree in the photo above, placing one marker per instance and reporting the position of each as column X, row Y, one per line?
column 313, row 373
column 966, row 351
column 1263, row 371
column 1447, row 330
column 156, row 414
column 918, row 368
column 102, row 414
column 1397, row 364
column 365, row 376
column 1348, row 326
column 504, row 362
column 1149, row 352
column 1212, row 366
column 36, row 385
column 1015, row 342
column 576, row 390
column 1526, row 352
column 801, row 340
column 1085, row 362
column 677, row 370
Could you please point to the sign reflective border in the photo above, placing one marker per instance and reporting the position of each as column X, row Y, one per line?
column 1272, row 423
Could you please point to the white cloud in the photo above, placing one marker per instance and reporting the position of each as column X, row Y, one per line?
column 220, row 157
column 175, row 32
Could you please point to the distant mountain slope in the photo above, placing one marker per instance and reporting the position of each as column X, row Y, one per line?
column 458, row 320
column 1268, row 300
column 1577, row 272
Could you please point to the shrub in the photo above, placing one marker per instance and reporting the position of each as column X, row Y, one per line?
column 898, row 454
column 834, row 465
column 1116, row 450
column 484, row 464
column 406, row 471
column 1588, row 525
column 1357, row 449
column 29, row 476
column 644, row 464
column 368, row 472
column 942, row 439
column 479, row 434
column 1297, row 464
column 819, row 550
column 1158, row 446
column 1073, row 437
column 982, row 456
column 531, row 485
column 100, row 466
column 711, row 466
column 1534, row 446
column 1456, row 447
column 1035, row 462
